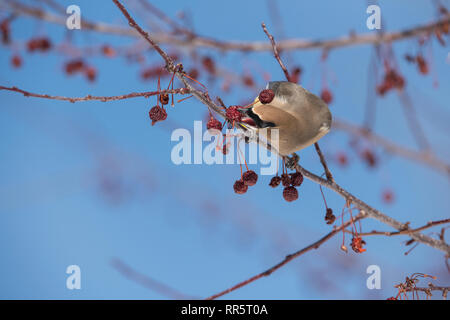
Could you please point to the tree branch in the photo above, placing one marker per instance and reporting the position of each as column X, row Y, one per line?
column 289, row 257
column 96, row 98
column 205, row 42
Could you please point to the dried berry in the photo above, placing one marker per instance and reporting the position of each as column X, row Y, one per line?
column 39, row 44
column 74, row 66
column 285, row 180
column 240, row 187
column 369, row 157
column 329, row 216
column 326, row 96
column 16, row 61
column 295, row 74
column 266, row 96
column 275, row 181
column 250, row 178
column 224, row 150
column 357, row 244
column 233, row 114
column 290, row 194
column 90, row 73
column 296, row 179
column 422, row 64
column 342, row 159
column 108, row 51
column 388, row 196
column 157, row 114
column 248, row 81
column 193, row 73
column 213, row 123
column 164, row 98
column 209, row 65
column 5, row 30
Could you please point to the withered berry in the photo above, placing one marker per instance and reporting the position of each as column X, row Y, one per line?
column 266, row 96
column 164, row 98
column 275, row 181
column 157, row 114
column 326, row 96
column 357, row 243
column 240, row 187
column 296, row 179
column 90, row 73
column 214, row 124
column 290, row 194
column 329, row 216
column 16, row 61
column 422, row 64
column 285, row 180
column 233, row 114
column 250, row 177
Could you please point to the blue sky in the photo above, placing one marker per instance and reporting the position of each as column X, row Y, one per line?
column 183, row 225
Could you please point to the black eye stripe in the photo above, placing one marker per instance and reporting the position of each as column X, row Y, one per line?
column 259, row 123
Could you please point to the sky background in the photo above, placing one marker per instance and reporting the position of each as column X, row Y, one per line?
column 89, row 183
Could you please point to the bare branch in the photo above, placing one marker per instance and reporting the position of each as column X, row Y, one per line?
column 148, row 282
column 97, row 98
column 200, row 41
column 422, row 157
column 406, row 231
column 289, row 258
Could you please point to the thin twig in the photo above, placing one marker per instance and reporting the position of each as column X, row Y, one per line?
column 422, row 157
column 148, row 282
column 96, row 98
column 289, row 258
column 275, row 52
column 406, row 231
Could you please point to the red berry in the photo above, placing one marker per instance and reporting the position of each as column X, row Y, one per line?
column 369, row 157
column 209, row 65
column 233, row 114
column 73, row 66
column 193, row 73
column 240, row 187
column 248, row 81
column 285, row 180
column 266, row 96
column 290, row 194
column 157, row 114
column 295, row 74
column 329, row 216
column 423, row 66
column 326, row 96
column 250, row 177
column 214, row 124
column 388, row 196
column 164, row 98
column 357, row 244
column 16, row 61
column 342, row 159
column 108, row 51
column 91, row 73
column 296, row 179
column 275, row 182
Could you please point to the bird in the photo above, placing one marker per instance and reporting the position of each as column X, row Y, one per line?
column 300, row 117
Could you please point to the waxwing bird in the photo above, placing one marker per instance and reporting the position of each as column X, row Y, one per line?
column 301, row 117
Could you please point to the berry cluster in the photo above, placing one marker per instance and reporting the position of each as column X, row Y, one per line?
column 79, row 66
column 290, row 182
column 392, row 80
column 357, row 244
column 248, row 179
column 39, row 44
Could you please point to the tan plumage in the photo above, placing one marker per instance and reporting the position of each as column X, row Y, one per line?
column 301, row 117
